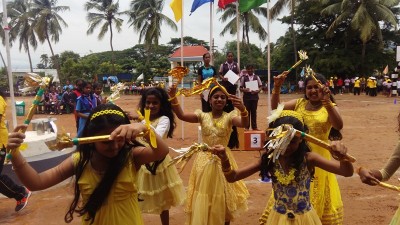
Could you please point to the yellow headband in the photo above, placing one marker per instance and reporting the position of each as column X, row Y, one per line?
column 107, row 112
column 279, row 112
column 218, row 86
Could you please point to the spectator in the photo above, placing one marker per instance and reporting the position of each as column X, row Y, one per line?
column 204, row 72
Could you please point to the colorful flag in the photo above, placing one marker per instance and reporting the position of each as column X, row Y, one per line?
column 386, row 70
column 197, row 3
column 176, row 6
column 246, row 5
column 223, row 3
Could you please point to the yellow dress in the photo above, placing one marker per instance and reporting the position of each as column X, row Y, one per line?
column 121, row 205
column 325, row 192
column 211, row 200
column 164, row 189
column 292, row 204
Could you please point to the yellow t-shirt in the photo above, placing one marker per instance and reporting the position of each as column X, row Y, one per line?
column 3, row 128
column 357, row 83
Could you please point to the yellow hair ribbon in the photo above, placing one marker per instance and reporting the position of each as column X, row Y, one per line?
column 152, row 134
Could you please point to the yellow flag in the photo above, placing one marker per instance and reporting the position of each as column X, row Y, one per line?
column 176, row 6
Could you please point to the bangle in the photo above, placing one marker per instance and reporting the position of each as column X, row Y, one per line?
column 15, row 168
column 245, row 113
column 174, row 104
column 276, row 90
column 227, row 173
column 170, row 99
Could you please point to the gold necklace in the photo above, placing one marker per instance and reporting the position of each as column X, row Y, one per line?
column 313, row 107
column 283, row 178
column 216, row 121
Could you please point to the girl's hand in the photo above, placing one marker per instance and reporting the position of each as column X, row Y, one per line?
column 132, row 115
column 128, row 131
column 367, row 177
column 15, row 139
column 172, row 90
column 237, row 102
column 326, row 93
column 338, row 150
column 219, row 150
column 278, row 80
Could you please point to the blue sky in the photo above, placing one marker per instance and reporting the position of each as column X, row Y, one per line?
column 74, row 37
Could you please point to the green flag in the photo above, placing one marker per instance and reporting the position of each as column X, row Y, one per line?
column 246, row 5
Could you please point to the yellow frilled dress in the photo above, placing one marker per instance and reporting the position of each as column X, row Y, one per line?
column 164, row 189
column 211, row 200
column 325, row 192
column 121, row 205
column 292, row 204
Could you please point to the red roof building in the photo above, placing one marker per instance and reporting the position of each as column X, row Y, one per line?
column 190, row 54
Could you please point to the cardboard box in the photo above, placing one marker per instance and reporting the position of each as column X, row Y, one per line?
column 253, row 139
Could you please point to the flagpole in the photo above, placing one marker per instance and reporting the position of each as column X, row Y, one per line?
column 237, row 43
column 182, row 99
column 211, row 33
column 9, row 69
column 269, row 59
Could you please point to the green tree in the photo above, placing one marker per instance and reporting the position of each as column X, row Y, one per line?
column 187, row 40
column 145, row 16
column 362, row 17
column 44, row 60
column 249, row 21
column 107, row 12
column 48, row 23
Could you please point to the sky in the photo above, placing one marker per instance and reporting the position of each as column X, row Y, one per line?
column 74, row 37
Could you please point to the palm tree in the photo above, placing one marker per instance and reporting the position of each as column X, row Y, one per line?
column 107, row 11
column 44, row 59
column 362, row 17
column 249, row 20
column 145, row 16
column 22, row 26
column 48, row 23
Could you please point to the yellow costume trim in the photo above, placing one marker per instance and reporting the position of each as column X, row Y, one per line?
column 292, row 114
column 283, row 178
column 152, row 135
column 107, row 112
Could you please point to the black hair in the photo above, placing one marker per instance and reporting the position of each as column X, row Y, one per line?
column 227, row 53
column 98, row 197
column 209, row 109
column 96, row 84
column 2, row 94
column 297, row 158
column 334, row 134
column 249, row 66
column 204, row 55
column 165, row 107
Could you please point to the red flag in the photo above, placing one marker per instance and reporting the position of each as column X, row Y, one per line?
column 223, row 3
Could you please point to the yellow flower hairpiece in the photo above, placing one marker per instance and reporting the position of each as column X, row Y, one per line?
column 152, row 135
column 107, row 112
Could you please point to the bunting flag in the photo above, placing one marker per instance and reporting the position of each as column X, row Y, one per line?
column 197, row 3
column 246, row 5
column 176, row 6
column 223, row 3
column 386, row 70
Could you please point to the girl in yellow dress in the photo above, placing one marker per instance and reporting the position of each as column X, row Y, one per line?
column 291, row 173
column 211, row 200
column 160, row 186
column 105, row 172
column 320, row 115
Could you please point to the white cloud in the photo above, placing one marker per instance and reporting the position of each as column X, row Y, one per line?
column 74, row 37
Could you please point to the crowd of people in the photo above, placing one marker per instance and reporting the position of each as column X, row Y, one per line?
column 119, row 179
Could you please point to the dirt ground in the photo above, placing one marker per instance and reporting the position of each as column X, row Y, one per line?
column 369, row 132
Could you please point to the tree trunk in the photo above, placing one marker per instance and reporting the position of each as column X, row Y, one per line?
column 112, row 49
column 29, row 57
column 56, row 64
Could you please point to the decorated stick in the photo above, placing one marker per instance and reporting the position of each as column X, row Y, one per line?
column 200, row 88
column 32, row 81
column 65, row 141
column 385, row 185
column 303, row 56
column 186, row 154
column 116, row 89
column 178, row 72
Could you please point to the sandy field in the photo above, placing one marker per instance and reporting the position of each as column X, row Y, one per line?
column 369, row 132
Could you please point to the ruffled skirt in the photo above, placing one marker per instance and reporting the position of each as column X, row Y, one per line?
column 161, row 191
column 308, row 218
column 211, row 199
